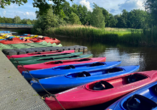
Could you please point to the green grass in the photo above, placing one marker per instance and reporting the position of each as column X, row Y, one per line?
column 107, row 35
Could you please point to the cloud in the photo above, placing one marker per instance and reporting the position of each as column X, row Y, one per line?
column 50, row 2
column 132, row 4
column 26, row 11
column 87, row 4
column 113, row 6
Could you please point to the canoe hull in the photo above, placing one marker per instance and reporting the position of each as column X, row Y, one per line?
column 44, row 73
column 41, row 53
column 59, row 83
column 38, row 57
column 65, row 62
column 50, row 58
column 145, row 91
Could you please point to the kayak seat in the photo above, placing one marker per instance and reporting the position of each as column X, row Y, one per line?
column 45, row 59
column 9, row 38
column 112, row 70
column 139, row 102
column 83, row 74
column 96, row 64
column 135, row 77
column 85, row 59
column 41, row 56
column 73, row 56
column 38, row 53
column 57, row 62
column 102, row 85
column 69, row 67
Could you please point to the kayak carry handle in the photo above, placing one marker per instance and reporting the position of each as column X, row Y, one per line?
column 139, row 102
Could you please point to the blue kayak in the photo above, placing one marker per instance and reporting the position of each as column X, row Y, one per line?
column 144, row 98
column 67, row 81
column 60, row 70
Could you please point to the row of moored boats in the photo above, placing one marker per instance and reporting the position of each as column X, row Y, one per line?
column 79, row 80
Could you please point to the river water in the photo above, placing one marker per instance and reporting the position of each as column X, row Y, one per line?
column 146, row 57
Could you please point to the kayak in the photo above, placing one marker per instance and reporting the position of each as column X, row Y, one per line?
column 37, row 57
column 144, row 98
column 46, row 39
column 15, row 41
column 67, row 81
column 61, row 70
column 46, row 59
column 105, row 90
column 39, row 53
column 61, row 62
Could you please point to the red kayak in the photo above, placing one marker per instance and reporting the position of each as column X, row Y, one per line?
column 15, row 41
column 59, row 63
column 101, row 91
column 40, row 53
column 46, row 39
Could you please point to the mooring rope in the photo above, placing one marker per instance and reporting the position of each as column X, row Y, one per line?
column 53, row 95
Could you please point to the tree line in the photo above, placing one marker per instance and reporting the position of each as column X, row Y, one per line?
column 16, row 20
column 63, row 13
column 99, row 17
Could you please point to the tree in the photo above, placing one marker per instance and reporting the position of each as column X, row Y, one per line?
column 112, row 21
column 137, row 18
column 17, row 19
column 43, row 5
column 97, row 18
column 151, row 7
column 74, row 19
column 125, row 18
column 47, row 21
column 106, row 15
column 4, row 3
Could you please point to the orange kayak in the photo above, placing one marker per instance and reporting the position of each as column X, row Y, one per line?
column 15, row 41
column 46, row 39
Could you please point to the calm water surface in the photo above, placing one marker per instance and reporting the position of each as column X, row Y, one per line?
column 146, row 57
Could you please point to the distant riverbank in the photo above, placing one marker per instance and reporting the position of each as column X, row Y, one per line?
column 108, row 35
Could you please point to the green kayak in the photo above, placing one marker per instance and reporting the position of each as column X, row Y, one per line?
column 37, row 57
column 42, row 60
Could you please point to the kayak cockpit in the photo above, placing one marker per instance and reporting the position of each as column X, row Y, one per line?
column 143, row 100
column 84, row 59
column 94, row 73
column 78, row 75
column 96, row 64
column 139, row 102
column 102, row 85
column 45, row 59
column 115, row 69
column 51, row 55
column 115, row 83
column 79, row 66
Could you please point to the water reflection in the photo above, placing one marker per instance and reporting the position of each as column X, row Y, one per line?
column 128, row 55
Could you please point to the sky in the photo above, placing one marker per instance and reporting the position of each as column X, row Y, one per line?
column 27, row 10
